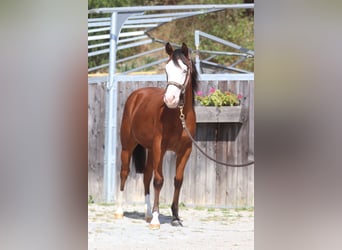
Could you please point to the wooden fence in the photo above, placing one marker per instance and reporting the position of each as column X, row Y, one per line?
column 205, row 182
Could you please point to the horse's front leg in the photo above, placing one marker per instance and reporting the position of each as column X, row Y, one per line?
column 157, row 156
column 182, row 159
column 147, row 180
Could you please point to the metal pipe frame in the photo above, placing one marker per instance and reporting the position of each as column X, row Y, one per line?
column 131, row 45
column 171, row 7
column 139, row 55
column 98, row 52
column 98, row 67
column 98, row 45
column 98, row 24
column 246, row 53
column 224, row 67
column 98, row 30
column 146, row 66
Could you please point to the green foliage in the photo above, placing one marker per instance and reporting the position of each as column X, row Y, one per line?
column 90, row 199
column 93, row 4
column 122, row 67
column 182, row 205
column 218, row 98
column 235, row 25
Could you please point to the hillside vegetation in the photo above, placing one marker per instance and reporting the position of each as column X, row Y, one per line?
column 235, row 25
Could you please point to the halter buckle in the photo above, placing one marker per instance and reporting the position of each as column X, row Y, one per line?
column 181, row 116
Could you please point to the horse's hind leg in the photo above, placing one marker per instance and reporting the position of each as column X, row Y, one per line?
column 147, row 180
column 178, row 181
column 126, row 152
column 125, row 161
column 124, row 172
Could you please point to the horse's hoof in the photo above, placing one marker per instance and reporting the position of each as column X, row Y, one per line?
column 118, row 215
column 176, row 223
column 154, row 226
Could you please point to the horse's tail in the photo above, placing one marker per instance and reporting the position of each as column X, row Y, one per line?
column 139, row 158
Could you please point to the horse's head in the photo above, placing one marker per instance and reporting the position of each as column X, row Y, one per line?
column 177, row 73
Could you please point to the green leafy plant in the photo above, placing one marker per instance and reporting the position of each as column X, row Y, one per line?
column 217, row 98
column 90, row 199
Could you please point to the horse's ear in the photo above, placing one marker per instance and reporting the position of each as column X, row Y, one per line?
column 168, row 49
column 185, row 50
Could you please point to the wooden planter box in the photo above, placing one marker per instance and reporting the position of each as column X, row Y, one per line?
column 209, row 114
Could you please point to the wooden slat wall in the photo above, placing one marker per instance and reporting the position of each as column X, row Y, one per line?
column 205, row 182
column 96, row 118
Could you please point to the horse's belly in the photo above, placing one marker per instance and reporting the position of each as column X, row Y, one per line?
column 143, row 134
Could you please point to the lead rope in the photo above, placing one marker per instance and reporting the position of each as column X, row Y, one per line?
column 182, row 118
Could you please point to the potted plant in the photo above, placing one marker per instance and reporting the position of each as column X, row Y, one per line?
column 219, row 106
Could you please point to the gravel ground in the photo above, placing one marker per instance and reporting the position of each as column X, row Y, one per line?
column 203, row 228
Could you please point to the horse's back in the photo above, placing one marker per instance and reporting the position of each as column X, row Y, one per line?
column 142, row 109
column 142, row 99
column 146, row 96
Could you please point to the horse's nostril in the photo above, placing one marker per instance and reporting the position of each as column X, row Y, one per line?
column 170, row 98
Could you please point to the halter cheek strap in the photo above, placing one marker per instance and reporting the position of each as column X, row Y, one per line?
column 183, row 86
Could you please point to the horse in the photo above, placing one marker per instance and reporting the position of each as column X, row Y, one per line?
column 151, row 122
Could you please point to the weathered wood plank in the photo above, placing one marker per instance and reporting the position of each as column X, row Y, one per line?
column 209, row 175
column 199, row 187
column 219, row 114
column 96, row 96
column 221, row 171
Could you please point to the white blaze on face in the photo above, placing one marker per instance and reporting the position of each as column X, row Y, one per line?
column 174, row 74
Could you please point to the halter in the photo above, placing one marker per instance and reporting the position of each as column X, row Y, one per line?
column 183, row 86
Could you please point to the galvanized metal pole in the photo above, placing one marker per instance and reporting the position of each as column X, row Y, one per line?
column 110, row 162
column 197, row 43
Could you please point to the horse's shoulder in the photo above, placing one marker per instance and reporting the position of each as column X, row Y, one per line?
column 148, row 92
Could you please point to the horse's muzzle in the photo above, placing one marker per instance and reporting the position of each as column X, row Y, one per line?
column 171, row 102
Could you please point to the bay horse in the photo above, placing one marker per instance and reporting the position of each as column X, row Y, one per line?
column 151, row 121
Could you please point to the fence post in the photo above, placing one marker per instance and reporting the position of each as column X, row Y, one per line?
column 110, row 161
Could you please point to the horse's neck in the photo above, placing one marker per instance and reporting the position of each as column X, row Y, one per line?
column 188, row 104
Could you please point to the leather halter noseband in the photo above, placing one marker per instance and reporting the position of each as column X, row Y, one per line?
column 182, row 87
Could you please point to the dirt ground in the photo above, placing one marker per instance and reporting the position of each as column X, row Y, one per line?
column 203, row 228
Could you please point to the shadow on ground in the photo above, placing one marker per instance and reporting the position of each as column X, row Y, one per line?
column 141, row 216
